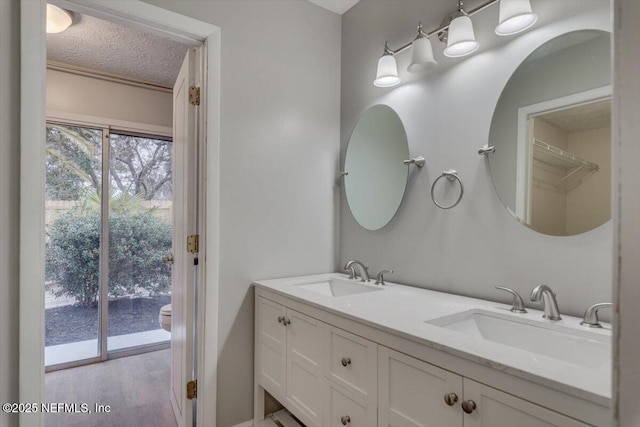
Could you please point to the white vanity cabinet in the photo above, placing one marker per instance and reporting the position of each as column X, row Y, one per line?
column 290, row 359
column 330, row 370
column 324, row 375
column 416, row 394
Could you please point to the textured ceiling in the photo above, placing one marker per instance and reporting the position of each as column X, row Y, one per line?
column 581, row 118
column 337, row 6
column 106, row 47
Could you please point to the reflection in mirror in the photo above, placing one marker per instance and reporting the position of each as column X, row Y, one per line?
column 552, row 134
column 376, row 176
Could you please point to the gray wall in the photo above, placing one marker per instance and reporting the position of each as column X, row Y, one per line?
column 477, row 245
column 9, row 203
column 279, row 157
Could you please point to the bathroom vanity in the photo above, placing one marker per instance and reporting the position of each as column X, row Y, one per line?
column 339, row 352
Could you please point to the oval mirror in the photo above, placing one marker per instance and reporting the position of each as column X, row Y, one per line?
column 552, row 136
column 376, row 175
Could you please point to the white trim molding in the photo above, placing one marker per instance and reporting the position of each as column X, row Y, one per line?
column 115, row 125
column 159, row 21
column 626, row 212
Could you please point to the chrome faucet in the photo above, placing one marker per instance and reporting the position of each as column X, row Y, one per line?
column 548, row 297
column 380, row 277
column 364, row 274
column 517, row 306
column 590, row 318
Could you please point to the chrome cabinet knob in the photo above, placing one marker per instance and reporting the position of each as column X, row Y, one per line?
column 345, row 420
column 346, row 361
column 280, row 319
column 468, row 406
column 450, row 399
column 167, row 259
column 286, row 321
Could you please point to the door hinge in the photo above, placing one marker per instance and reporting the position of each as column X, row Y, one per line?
column 193, row 244
column 194, row 95
column 192, row 389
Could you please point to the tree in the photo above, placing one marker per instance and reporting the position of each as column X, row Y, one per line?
column 138, row 165
column 137, row 242
column 141, row 166
column 73, row 161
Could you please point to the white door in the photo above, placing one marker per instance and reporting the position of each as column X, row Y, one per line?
column 184, row 214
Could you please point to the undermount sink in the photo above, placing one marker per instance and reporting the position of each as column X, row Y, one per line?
column 339, row 288
column 574, row 346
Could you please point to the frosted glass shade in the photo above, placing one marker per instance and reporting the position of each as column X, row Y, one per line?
column 387, row 74
column 421, row 56
column 58, row 19
column 461, row 39
column 515, row 16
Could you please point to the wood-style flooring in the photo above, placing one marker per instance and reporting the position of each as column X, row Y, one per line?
column 136, row 388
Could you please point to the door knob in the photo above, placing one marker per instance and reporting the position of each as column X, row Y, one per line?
column 346, row 361
column 167, row 259
column 468, row 406
column 450, row 399
column 345, row 420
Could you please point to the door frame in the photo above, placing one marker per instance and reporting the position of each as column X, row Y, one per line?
column 32, row 184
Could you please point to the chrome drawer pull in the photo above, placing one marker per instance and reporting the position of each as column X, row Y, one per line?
column 468, row 406
column 346, row 361
column 450, row 399
column 345, row 420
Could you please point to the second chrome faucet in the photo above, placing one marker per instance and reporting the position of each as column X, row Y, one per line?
column 548, row 297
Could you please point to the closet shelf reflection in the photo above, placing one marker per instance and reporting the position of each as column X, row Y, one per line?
column 573, row 170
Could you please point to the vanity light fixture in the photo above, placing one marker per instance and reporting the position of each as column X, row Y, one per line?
column 421, row 53
column 515, row 17
column 461, row 40
column 387, row 74
column 456, row 30
column 58, row 19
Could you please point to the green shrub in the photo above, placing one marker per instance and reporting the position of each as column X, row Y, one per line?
column 137, row 242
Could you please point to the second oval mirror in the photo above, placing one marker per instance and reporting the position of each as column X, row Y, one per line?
column 552, row 135
column 376, row 177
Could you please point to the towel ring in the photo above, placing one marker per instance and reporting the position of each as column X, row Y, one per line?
column 451, row 175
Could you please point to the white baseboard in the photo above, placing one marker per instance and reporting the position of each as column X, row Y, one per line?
column 245, row 424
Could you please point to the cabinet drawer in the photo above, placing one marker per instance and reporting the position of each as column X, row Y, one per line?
column 343, row 408
column 412, row 393
column 352, row 363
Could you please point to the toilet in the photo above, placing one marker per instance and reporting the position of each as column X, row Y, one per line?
column 164, row 318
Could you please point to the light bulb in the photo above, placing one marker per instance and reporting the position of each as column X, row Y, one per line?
column 387, row 74
column 461, row 38
column 515, row 17
column 58, row 19
column 421, row 56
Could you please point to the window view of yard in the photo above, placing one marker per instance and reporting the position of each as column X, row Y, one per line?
column 139, row 229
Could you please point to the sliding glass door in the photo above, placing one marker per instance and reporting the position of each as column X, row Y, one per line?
column 140, row 216
column 105, row 276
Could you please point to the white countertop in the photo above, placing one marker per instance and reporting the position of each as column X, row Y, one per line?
column 403, row 310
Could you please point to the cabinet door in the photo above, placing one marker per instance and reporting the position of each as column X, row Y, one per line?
column 412, row 393
column 353, row 363
column 498, row 409
column 306, row 341
column 272, row 347
column 343, row 408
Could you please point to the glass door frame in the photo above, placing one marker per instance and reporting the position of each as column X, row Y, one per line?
column 103, row 353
